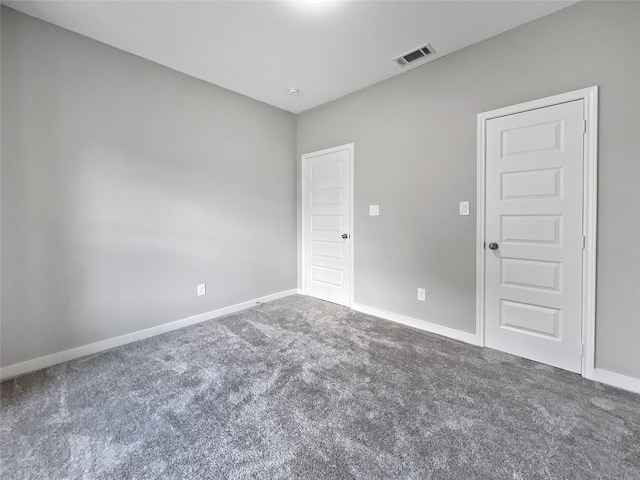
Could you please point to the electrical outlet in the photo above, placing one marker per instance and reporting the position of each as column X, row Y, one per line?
column 202, row 289
column 464, row 208
column 422, row 295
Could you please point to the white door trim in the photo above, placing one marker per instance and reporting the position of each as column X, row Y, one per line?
column 589, row 216
column 305, row 157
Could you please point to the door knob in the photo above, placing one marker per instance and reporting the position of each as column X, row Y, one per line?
column 493, row 246
column 345, row 235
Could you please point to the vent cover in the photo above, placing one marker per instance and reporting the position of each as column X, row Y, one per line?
column 414, row 55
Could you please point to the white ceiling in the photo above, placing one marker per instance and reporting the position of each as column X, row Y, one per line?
column 261, row 48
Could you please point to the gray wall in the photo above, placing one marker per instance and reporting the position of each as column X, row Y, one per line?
column 415, row 155
column 125, row 184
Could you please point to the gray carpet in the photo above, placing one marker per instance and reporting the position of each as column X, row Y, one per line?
column 300, row 388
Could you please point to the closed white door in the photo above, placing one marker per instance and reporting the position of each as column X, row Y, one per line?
column 534, row 236
column 327, row 236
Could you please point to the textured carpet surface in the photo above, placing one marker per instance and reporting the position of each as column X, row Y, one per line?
column 300, row 388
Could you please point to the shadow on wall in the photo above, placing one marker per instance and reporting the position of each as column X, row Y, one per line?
column 119, row 241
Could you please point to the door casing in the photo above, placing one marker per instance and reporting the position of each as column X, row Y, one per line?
column 589, row 213
column 350, row 147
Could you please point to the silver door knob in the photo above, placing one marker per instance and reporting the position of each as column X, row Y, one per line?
column 345, row 235
column 493, row 246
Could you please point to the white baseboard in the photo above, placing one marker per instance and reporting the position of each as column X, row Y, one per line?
column 66, row 355
column 419, row 324
column 616, row 380
column 598, row 375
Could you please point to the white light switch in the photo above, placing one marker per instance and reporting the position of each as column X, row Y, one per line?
column 202, row 289
column 374, row 210
column 464, row 208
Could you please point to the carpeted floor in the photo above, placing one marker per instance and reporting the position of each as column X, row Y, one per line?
column 300, row 388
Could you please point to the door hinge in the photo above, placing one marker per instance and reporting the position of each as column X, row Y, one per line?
column 584, row 127
column 584, row 242
column 484, row 245
column 582, row 350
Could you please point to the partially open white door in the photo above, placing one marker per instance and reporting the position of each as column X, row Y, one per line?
column 534, row 234
column 326, row 207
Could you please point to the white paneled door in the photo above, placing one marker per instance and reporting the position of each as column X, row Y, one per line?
column 534, row 234
column 326, row 194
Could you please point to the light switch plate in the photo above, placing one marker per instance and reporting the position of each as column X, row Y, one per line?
column 422, row 295
column 464, row 208
column 374, row 210
column 202, row 289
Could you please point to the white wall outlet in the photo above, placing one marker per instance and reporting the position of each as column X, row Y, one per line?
column 464, row 208
column 202, row 289
column 374, row 210
column 422, row 295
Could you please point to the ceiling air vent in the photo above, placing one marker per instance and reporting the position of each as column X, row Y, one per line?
column 414, row 55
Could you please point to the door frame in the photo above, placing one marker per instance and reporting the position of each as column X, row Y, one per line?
column 305, row 157
column 589, row 213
